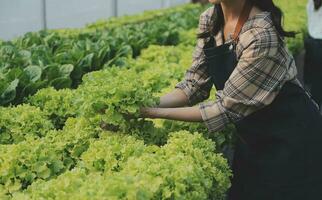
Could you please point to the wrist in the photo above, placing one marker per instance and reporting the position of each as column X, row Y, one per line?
column 158, row 113
column 161, row 113
column 155, row 113
column 149, row 112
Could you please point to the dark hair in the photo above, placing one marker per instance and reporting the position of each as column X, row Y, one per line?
column 217, row 21
column 317, row 4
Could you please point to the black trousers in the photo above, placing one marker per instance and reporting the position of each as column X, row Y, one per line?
column 313, row 67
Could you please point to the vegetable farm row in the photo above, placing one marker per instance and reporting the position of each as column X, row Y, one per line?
column 87, row 142
column 42, row 59
column 90, row 139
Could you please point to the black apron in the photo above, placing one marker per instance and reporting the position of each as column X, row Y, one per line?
column 278, row 153
column 313, row 67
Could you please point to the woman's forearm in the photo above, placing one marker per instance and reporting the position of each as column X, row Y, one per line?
column 187, row 114
column 174, row 99
column 171, row 106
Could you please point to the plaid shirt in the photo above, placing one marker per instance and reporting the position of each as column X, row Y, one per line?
column 264, row 65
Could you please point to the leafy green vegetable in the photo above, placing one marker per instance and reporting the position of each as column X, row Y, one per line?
column 184, row 168
column 21, row 122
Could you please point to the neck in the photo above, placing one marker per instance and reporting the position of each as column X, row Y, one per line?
column 232, row 9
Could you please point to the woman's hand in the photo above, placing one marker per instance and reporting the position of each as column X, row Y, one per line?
column 147, row 112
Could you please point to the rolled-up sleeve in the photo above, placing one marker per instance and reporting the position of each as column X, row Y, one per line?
column 255, row 82
column 196, row 83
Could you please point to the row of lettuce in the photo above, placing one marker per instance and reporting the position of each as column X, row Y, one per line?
column 60, row 58
column 91, row 138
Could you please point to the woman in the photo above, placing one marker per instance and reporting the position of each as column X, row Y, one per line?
column 241, row 51
column 313, row 46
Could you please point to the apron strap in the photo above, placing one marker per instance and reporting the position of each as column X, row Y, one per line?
column 242, row 19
